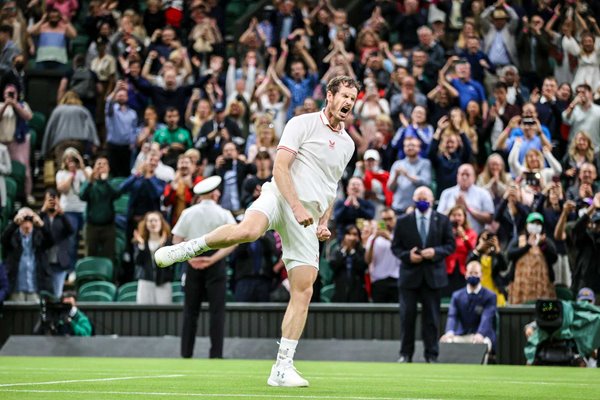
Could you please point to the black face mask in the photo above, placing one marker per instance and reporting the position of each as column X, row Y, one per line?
column 19, row 65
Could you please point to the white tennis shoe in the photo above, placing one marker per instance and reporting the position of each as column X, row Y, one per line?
column 169, row 255
column 286, row 375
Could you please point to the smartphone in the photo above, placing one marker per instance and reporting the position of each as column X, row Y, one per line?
column 418, row 251
column 381, row 225
column 556, row 178
column 360, row 223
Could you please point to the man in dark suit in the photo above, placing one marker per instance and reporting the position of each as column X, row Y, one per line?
column 422, row 240
column 233, row 170
column 472, row 313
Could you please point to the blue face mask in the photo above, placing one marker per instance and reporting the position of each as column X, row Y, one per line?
column 473, row 280
column 422, row 205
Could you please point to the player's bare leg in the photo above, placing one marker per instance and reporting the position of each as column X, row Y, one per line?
column 250, row 229
column 283, row 372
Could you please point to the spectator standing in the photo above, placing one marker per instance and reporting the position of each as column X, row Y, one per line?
column 121, row 126
column 532, row 255
column 408, row 174
column 384, row 266
column 349, row 268
column 501, row 112
column 588, row 59
column 586, row 238
column 472, row 312
column 215, row 133
column 176, row 138
column 69, row 181
column 468, row 89
column 69, row 125
column 583, row 115
column 465, row 240
column 8, row 48
column 59, row 255
column 179, row 193
column 26, row 241
column 375, row 179
column 500, row 34
column 353, row 207
column 14, row 116
column 252, row 185
column 493, row 262
column 154, row 284
column 52, row 32
column 422, row 240
column 253, row 265
column 477, row 201
column 99, row 195
column 233, row 170
column 533, row 47
column 494, row 177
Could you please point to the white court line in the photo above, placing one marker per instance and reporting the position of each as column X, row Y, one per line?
column 228, row 395
column 123, row 378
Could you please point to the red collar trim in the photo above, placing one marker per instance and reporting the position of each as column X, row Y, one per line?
column 325, row 122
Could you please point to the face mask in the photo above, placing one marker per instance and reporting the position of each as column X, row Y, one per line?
column 473, row 280
column 534, row 229
column 19, row 65
column 422, row 205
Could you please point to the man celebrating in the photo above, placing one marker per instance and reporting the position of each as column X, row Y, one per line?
column 312, row 155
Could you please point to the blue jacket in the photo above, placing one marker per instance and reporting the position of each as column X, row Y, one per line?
column 4, row 292
column 473, row 315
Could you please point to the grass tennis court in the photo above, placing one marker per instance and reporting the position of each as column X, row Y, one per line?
column 125, row 378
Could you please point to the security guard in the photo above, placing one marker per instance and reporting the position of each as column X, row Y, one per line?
column 205, row 276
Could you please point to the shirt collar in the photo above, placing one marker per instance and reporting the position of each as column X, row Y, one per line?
column 471, row 291
column 325, row 122
column 426, row 214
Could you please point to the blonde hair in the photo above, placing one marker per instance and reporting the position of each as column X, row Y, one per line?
column 165, row 228
column 486, row 175
column 539, row 155
column 70, row 98
column 70, row 152
column 589, row 154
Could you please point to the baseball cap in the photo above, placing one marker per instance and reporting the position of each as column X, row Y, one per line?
column 500, row 13
column 535, row 216
column 586, row 294
column 371, row 154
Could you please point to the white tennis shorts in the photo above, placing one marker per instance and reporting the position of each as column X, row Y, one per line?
column 300, row 244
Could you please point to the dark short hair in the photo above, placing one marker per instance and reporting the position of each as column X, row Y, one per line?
column 334, row 84
column 4, row 28
column 171, row 109
column 52, row 192
column 101, row 156
column 584, row 86
column 500, row 85
column 263, row 155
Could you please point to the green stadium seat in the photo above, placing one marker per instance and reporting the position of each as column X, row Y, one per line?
column 178, row 298
column 32, row 141
column 18, row 174
column 327, row 293
column 38, row 123
column 93, row 269
column 11, row 187
column 127, row 298
column 126, row 290
column 99, row 286
column 95, row 296
column 119, row 250
column 177, row 287
column 446, row 300
column 121, row 205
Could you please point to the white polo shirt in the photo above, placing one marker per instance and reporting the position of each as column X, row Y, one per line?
column 322, row 154
column 201, row 219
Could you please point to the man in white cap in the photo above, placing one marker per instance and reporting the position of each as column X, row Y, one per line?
column 312, row 155
column 205, row 277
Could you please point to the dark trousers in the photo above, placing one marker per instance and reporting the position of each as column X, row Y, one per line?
column 100, row 240
column 430, row 320
column 385, row 290
column 119, row 158
column 206, row 284
column 253, row 290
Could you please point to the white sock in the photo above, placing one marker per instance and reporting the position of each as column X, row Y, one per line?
column 287, row 348
column 198, row 245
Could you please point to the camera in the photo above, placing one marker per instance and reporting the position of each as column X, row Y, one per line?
column 53, row 316
column 11, row 95
column 532, row 178
column 528, row 121
column 28, row 218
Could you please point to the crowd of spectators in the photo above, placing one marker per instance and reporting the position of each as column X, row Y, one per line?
column 492, row 104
